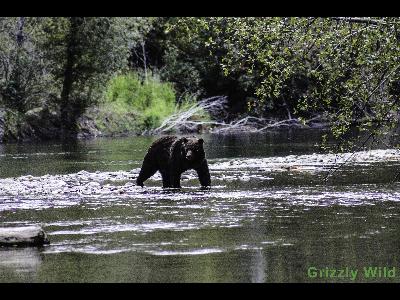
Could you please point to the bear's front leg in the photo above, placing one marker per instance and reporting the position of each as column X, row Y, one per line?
column 204, row 174
column 175, row 171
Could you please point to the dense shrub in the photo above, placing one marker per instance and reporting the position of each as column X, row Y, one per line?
column 150, row 98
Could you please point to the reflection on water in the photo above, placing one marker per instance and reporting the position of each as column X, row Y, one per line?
column 268, row 217
column 19, row 265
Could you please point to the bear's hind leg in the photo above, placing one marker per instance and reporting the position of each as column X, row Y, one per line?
column 176, row 181
column 166, row 179
column 148, row 169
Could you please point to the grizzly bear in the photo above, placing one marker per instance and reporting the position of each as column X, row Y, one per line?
column 172, row 156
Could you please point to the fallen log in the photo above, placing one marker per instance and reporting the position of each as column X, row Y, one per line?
column 181, row 121
column 23, row 236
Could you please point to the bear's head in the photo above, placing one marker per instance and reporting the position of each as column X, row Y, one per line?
column 193, row 149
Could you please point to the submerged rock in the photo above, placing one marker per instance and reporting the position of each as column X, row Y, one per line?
column 23, row 236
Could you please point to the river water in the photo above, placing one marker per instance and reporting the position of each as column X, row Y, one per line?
column 268, row 217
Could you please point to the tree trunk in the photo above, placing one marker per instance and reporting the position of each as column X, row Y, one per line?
column 68, row 110
column 20, row 34
column 16, row 91
column 144, row 61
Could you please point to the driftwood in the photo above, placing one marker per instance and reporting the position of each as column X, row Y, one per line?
column 254, row 124
column 23, row 236
column 184, row 121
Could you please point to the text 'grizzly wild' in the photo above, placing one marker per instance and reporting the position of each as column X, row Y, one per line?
column 172, row 156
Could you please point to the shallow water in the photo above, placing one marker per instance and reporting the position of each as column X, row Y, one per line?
column 268, row 217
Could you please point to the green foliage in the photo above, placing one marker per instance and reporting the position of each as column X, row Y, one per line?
column 24, row 82
column 150, row 98
column 63, row 62
column 13, row 121
column 183, row 57
column 345, row 69
column 113, row 118
column 185, row 74
column 89, row 49
column 135, row 104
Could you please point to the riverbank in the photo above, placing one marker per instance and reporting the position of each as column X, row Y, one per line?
column 43, row 124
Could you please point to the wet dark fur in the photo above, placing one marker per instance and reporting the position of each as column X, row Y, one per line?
column 172, row 156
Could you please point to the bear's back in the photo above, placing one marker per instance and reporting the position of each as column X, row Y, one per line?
column 159, row 151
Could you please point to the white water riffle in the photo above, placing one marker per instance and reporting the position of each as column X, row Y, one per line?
column 311, row 160
column 121, row 183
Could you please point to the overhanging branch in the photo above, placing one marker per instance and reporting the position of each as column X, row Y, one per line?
column 360, row 20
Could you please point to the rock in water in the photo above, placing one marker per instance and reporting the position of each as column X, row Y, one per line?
column 23, row 236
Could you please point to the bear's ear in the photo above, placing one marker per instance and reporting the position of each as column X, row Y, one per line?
column 201, row 141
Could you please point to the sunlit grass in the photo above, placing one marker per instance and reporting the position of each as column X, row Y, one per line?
column 150, row 99
column 134, row 104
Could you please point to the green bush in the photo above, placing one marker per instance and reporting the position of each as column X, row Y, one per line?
column 151, row 99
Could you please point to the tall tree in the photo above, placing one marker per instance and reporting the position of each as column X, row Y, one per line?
column 23, row 77
column 85, row 52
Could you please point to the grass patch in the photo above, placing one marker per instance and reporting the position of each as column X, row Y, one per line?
column 151, row 99
column 133, row 105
